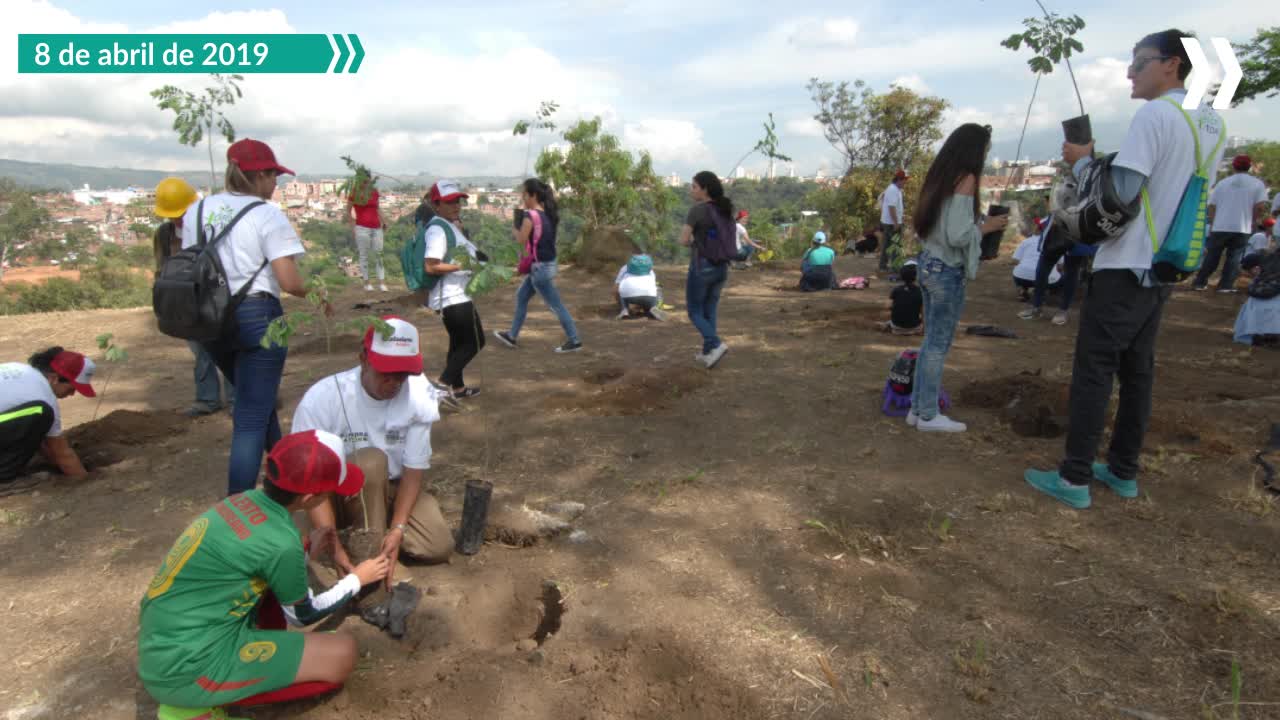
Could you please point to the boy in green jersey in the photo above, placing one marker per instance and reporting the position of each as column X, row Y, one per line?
column 201, row 637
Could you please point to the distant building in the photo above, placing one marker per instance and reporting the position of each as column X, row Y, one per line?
column 86, row 196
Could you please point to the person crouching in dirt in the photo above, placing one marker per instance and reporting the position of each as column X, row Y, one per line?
column 636, row 289
column 30, row 419
column 816, row 271
column 868, row 244
column 211, row 630
column 383, row 409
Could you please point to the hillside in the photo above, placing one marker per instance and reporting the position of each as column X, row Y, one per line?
column 65, row 176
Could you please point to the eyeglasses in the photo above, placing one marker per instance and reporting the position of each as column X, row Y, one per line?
column 1139, row 64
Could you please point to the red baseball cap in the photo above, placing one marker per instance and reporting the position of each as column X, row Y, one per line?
column 396, row 352
column 901, row 175
column 250, row 155
column 446, row 191
column 1242, row 162
column 75, row 369
column 743, row 214
column 311, row 463
column 1269, row 222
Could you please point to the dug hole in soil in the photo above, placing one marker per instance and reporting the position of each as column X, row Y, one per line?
column 104, row 442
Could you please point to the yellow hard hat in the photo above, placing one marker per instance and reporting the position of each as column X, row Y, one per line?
column 173, row 196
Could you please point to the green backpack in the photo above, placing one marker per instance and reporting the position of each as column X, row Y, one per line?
column 1180, row 252
column 413, row 255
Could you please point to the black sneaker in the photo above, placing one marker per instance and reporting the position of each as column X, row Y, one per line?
column 504, row 338
column 466, row 392
column 570, row 346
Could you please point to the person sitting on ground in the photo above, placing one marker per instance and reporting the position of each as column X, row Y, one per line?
column 636, row 289
column 1258, row 322
column 30, row 419
column 1027, row 258
column 201, row 637
column 746, row 246
column 906, row 304
column 383, row 410
column 869, row 243
column 1261, row 240
column 816, row 271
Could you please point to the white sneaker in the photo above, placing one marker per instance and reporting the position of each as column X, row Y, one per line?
column 368, row 287
column 940, row 423
column 623, row 315
column 1030, row 313
column 716, row 353
column 382, row 287
column 912, row 418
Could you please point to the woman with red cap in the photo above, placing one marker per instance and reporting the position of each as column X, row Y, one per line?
column 257, row 249
column 30, row 419
column 448, row 255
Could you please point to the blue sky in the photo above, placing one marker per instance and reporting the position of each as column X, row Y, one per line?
column 691, row 83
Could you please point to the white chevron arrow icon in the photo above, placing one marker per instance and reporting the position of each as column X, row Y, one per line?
column 1232, row 74
column 1200, row 75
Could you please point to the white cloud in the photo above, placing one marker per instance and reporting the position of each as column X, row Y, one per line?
column 912, row 82
column 803, row 127
column 831, row 33
column 670, row 142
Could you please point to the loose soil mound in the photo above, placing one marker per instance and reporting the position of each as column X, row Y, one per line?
column 632, row 391
column 101, row 442
column 1032, row 405
column 604, row 250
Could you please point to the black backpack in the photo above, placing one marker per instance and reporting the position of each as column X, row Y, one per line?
column 721, row 242
column 191, row 298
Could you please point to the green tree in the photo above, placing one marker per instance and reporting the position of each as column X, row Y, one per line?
column 605, row 185
column 1260, row 62
column 880, row 131
column 1266, row 160
column 21, row 218
column 196, row 116
column 1051, row 40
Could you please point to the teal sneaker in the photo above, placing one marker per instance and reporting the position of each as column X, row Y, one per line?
column 1123, row 488
column 1051, row 483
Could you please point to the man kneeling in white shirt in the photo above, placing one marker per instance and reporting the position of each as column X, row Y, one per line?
column 383, row 410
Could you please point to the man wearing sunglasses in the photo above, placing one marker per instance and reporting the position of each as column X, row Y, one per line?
column 1121, row 315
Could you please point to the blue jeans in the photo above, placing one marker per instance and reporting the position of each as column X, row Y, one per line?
column 255, row 371
column 208, row 387
column 541, row 280
column 702, row 297
column 943, row 287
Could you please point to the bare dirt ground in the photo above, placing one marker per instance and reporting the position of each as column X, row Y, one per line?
column 759, row 541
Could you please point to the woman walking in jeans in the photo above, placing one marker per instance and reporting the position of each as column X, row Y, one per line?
column 260, row 252
column 706, row 279
column 947, row 219
column 540, row 240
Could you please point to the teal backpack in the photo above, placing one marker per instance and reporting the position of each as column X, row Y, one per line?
column 414, row 254
column 1182, row 250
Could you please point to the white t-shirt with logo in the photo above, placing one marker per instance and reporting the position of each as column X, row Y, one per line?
column 1234, row 199
column 1159, row 145
column 20, row 384
column 1028, row 257
column 630, row 286
column 452, row 288
column 264, row 234
column 892, row 198
column 400, row 427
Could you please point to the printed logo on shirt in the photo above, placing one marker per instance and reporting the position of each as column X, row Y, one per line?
column 248, row 598
column 260, row 651
column 355, row 440
column 395, row 436
column 179, row 554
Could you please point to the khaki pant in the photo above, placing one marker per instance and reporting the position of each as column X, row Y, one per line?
column 426, row 537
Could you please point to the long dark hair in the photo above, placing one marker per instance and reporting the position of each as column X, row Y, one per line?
column 546, row 196
column 43, row 360
column 710, row 182
column 425, row 212
column 963, row 154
